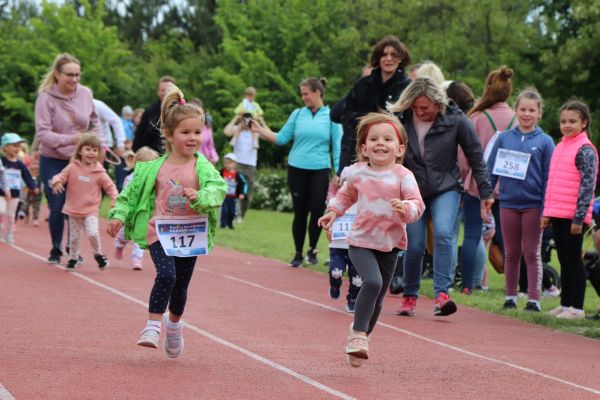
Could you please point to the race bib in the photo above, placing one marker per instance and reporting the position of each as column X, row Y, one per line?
column 13, row 178
column 512, row 164
column 341, row 227
column 183, row 237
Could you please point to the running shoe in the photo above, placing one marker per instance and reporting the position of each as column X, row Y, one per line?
column 408, row 306
column 443, row 306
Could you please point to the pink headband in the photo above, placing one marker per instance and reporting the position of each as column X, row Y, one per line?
column 390, row 123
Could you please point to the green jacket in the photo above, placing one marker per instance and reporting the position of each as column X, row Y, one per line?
column 135, row 205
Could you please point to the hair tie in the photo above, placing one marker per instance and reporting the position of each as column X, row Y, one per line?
column 182, row 101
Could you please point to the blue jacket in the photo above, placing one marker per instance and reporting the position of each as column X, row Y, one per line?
column 313, row 136
column 527, row 193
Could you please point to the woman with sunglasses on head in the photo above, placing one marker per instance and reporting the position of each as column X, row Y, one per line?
column 64, row 109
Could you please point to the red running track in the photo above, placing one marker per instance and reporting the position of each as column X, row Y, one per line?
column 258, row 329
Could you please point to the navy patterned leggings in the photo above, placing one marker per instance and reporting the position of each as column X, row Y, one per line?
column 173, row 275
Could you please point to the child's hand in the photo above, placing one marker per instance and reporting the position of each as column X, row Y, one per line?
column 58, row 187
column 576, row 229
column 486, row 206
column 327, row 220
column 190, row 194
column 399, row 206
column 113, row 227
column 112, row 202
column 544, row 222
column 37, row 190
column 242, row 197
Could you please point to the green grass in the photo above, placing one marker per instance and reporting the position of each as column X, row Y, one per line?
column 268, row 233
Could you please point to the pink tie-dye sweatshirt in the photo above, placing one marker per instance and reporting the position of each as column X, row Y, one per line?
column 377, row 225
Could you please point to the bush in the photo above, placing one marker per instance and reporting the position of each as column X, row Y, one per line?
column 271, row 191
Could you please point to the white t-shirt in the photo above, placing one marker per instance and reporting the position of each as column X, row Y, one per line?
column 244, row 149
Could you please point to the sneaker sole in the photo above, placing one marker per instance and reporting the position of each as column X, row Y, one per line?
column 406, row 313
column 354, row 361
column 359, row 353
column 147, row 343
column 447, row 309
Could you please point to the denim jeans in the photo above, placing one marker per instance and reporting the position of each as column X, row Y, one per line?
column 442, row 208
column 472, row 238
column 56, row 221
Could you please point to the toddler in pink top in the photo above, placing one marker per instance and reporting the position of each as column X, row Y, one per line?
column 387, row 197
column 86, row 178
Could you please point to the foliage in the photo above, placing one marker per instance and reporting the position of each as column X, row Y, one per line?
column 216, row 49
column 271, row 191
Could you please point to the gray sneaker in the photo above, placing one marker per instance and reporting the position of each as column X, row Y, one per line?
column 149, row 338
column 173, row 343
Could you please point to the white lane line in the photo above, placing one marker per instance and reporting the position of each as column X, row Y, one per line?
column 5, row 394
column 415, row 335
column 254, row 356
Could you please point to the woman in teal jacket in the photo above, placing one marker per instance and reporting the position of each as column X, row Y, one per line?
column 316, row 141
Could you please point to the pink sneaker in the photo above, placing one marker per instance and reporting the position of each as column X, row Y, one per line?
column 357, row 349
column 119, row 253
column 408, row 306
column 443, row 306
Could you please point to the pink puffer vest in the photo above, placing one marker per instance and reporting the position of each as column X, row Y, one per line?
column 564, row 179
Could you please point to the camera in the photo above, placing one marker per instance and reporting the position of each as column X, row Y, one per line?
column 247, row 120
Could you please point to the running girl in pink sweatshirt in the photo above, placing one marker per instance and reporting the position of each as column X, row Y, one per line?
column 86, row 178
column 387, row 197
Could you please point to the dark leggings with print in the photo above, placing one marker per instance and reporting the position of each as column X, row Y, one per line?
column 173, row 275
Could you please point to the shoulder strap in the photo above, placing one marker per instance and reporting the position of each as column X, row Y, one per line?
column 511, row 122
column 491, row 120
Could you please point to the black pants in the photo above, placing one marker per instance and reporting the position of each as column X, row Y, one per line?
column 227, row 212
column 309, row 190
column 173, row 275
column 572, row 273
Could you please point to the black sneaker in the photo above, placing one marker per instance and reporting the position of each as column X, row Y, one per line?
column 71, row 265
column 531, row 306
column 296, row 261
column 55, row 255
column 101, row 260
column 334, row 292
column 79, row 260
column 311, row 257
column 351, row 305
column 509, row 305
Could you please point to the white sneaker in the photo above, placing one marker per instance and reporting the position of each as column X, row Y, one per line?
column 552, row 291
column 173, row 343
column 10, row 238
column 149, row 338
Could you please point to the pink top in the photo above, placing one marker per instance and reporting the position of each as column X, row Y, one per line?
column 58, row 117
column 84, row 188
column 564, row 179
column 377, row 225
column 501, row 114
column 169, row 202
column 207, row 146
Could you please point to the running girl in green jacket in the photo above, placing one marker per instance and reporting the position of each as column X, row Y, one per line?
column 170, row 207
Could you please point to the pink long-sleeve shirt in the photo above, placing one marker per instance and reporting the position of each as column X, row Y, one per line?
column 377, row 225
column 84, row 188
column 58, row 117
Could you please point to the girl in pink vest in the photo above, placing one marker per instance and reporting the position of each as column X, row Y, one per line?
column 568, row 205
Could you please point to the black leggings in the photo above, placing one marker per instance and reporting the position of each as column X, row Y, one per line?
column 309, row 190
column 572, row 272
column 173, row 275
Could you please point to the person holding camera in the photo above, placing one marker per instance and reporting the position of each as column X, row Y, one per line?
column 245, row 148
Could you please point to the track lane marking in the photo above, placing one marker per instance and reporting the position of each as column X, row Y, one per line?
column 415, row 335
column 303, row 378
column 5, row 394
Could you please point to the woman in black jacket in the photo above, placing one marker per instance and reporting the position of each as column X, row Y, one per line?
column 372, row 93
column 435, row 129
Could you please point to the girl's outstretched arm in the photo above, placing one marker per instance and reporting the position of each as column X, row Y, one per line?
column 212, row 189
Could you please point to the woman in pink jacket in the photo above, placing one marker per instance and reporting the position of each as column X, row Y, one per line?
column 87, row 178
column 64, row 110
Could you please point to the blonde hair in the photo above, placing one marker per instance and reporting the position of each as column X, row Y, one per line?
column 250, row 90
column 49, row 78
column 530, row 93
column 89, row 139
column 421, row 87
column 429, row 70
column 146, row 154
column 367, row 122
column 173, row 110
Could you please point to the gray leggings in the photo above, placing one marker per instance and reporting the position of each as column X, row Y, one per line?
column 376, row 269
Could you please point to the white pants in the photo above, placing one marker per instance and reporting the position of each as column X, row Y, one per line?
column 76, row 225
column 8, row 212
column 136, row 253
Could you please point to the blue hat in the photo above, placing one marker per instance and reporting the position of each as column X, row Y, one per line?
column 11, row 138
